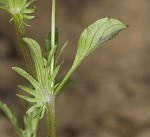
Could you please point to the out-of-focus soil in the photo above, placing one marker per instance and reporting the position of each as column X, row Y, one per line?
column 110, row 96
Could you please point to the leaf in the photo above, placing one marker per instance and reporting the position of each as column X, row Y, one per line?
column 32, row 108
column 51, row 54
column 11, row 116
column 28, row 77
column 95, row 35
column 36, row 54
column 29, row 99
column 48, row 44
column 41, row 94
column 30, row 126
column 28, row 90
column 61, row 51
column 54, row 87
column 52, row 77
column 68, row 82
column 40, row 112
column 28, row 17
column 48, row 41
column 56, row 36
column 45, row 62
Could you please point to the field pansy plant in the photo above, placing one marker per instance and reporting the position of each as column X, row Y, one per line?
column 42, row 87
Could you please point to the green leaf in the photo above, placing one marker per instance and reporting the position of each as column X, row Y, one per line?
column 41, row 94
column 28, row 90
column 48, row 41
column 51, row 54
column 45, row 63
column 11, row 116
column 29, row 99
column 68, row 82
column 30, row 126
column 52, row 77
column 54, row 87
column 27, row 16
column 28, row 77
column 32, row 108
column 48, row 44
column 61, row 51
column 36, row 54
column 56, row 36
column 95, row 35
column 40, row 112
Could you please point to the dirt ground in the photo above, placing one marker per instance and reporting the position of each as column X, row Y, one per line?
column 110, row 96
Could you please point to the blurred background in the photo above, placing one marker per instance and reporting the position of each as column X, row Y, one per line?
column 110, row 96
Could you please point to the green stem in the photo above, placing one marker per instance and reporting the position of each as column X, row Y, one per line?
column 58, row 89
column 20, row 28
column 51, row 104
column 53, row 36
column 21, row 33
column 51, row 118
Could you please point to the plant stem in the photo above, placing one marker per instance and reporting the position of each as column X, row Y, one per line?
column 51, row 118
column 21, row 33
column 51, row 104
column 27, row 56
column 53, row 36
column 58, row 89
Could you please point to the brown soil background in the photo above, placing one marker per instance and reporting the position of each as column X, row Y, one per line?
column 110, row 96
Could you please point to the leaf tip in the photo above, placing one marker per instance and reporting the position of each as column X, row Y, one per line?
column 20, row 86
column 14, row 68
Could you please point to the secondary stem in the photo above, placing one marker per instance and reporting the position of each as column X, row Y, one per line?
column 51, row 104
column 53, row 36
column 21, row 33
column 20, row 28
column 58, row 89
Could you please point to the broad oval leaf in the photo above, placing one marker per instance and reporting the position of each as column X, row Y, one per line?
column 95, row 35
